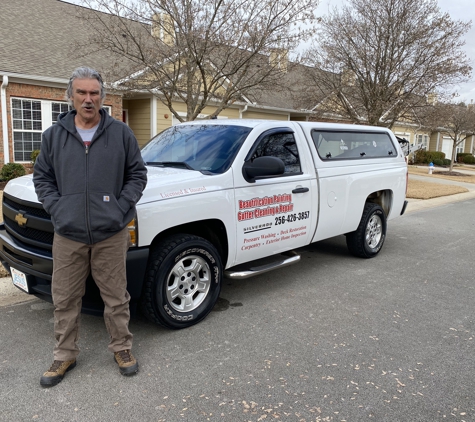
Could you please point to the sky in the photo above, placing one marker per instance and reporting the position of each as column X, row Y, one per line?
column 463, row 10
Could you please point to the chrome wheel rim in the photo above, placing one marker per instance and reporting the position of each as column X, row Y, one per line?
column 374, row 231
column 188, row 283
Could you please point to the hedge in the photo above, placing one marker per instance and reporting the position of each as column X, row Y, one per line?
column 426, row 157
column 469, row 159
column 11, row 171
column 465, row 157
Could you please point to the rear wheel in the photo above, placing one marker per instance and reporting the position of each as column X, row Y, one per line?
column 182, row 282
column 367, row 240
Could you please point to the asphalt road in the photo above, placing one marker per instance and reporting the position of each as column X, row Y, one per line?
column 334, row 338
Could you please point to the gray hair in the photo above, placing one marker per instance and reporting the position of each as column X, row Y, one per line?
column 84, row 72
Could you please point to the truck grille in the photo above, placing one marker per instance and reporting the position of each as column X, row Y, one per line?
column 28, row 223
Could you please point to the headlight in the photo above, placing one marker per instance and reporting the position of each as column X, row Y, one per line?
column 132, row 226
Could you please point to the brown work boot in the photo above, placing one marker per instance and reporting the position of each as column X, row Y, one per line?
column 127, row 363
column 55, row 374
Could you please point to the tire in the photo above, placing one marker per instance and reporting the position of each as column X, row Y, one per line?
column 182, row 282
column 368, row 239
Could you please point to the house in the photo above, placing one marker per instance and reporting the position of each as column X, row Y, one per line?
column 40, row 47
column 39, row 50
column 36, row 61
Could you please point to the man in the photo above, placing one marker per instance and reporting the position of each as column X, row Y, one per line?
column 89, row 175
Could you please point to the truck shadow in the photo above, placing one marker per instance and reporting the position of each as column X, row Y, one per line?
column 314, row 257
column 335, row 246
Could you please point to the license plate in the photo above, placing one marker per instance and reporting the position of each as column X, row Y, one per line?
column 19, row 279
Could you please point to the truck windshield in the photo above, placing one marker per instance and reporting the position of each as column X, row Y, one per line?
column 209, row 149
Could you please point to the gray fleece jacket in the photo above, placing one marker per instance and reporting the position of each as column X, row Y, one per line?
column 90, row 192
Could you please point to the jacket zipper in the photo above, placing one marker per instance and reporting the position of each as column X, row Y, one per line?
column 88, row 226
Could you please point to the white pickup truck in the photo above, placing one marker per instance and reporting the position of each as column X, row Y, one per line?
column 231, row 198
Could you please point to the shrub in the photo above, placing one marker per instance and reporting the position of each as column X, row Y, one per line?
column 425, row 157
column 469, row 159
column 461, row 155
column 446, row 162
column 34, row 155
column 438, row 162
column 465, row 157
column 11, row 171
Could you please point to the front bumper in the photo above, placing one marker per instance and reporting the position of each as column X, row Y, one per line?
column 38, row 268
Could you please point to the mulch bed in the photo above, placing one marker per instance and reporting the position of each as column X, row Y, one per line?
column 452, row 173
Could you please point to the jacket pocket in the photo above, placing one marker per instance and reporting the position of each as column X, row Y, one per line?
column 69, row 214
column 105, row 214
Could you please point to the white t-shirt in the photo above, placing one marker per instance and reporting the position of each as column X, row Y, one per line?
column 87, row 134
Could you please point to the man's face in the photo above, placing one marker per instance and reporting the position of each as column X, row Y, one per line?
column 86, row 100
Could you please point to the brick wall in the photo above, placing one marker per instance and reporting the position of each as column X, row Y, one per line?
column 44, row 93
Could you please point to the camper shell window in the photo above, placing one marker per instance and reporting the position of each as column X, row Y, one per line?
column 346, row 145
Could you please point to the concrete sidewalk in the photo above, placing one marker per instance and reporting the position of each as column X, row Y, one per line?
column 11, row 295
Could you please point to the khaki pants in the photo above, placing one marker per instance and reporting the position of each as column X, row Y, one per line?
column 72, row 262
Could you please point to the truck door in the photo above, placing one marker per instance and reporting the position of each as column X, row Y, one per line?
column 273, row 213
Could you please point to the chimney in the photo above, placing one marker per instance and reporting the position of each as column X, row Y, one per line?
column 279, row 58
column 432, row 98
column 163, row 28
column 348, row 77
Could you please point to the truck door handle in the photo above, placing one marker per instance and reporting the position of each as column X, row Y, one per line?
column 300, row 190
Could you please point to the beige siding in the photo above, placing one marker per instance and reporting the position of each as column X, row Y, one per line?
column 433, row 142
column 164, row 117
column 165, row 122
column 230, row 113
column 468, row 147
column 139, row 119
column 264, row 115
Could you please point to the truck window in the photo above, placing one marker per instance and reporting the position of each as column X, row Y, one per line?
column 283, row 146
column 209, row 149
column 333, row 145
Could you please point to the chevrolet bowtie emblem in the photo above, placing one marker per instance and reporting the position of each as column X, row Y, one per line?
column 20, row 219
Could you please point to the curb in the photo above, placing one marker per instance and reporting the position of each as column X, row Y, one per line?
column 423, row 204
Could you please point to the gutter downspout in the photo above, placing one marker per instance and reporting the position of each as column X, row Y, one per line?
column 6, row 149
column 242, row 111
column 154, row 116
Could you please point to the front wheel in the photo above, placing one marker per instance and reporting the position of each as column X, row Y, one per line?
column 367, row 240
column 182, row 282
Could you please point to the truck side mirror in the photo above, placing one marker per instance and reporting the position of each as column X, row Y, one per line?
column 261, row 167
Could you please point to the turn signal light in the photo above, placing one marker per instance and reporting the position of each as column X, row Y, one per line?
column 132, row 226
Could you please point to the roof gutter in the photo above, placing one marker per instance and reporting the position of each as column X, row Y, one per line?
column 6, row 149
column 23, row 76
column 277, row 109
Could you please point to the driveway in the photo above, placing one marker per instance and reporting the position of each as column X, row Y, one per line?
column 334, row 338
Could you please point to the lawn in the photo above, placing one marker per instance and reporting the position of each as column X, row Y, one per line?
column 426, row 190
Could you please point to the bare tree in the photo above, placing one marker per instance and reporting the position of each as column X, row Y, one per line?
column 207, row 52
column 387, row 57
column 455, row 121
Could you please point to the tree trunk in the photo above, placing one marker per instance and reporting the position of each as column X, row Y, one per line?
column 454, row 149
